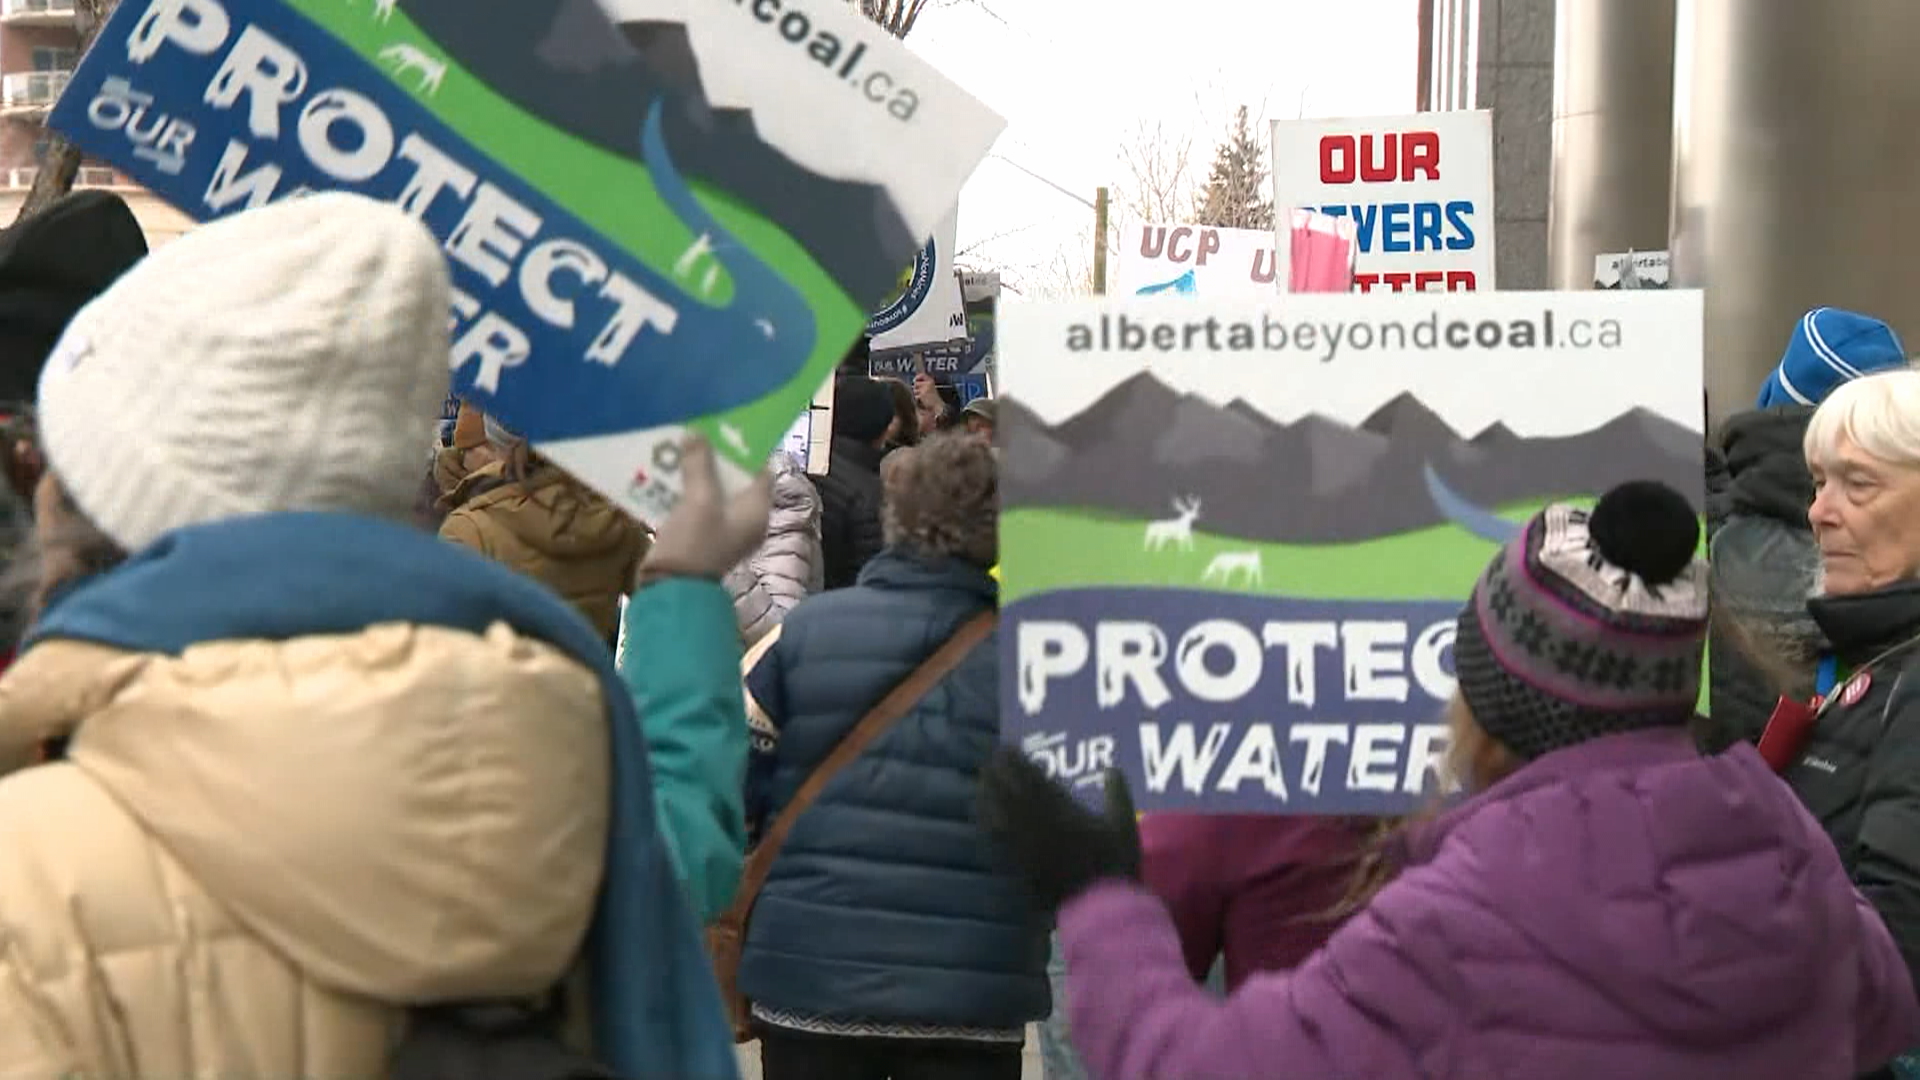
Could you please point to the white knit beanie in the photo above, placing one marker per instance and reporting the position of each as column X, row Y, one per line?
column 292, row 357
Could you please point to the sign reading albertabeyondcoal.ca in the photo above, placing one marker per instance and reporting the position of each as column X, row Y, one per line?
column 1419, row 190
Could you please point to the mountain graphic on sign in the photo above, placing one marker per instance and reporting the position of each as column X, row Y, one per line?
column 1317, row 480
column 596, row 81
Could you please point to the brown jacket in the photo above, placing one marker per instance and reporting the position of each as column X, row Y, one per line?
column 556, row 530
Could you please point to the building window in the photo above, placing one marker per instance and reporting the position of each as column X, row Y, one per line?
column 52, row 59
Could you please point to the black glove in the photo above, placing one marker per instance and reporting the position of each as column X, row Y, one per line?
column 1060, row 847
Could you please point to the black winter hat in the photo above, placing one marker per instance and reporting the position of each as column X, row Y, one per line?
column 862, row 408
column 51, row 266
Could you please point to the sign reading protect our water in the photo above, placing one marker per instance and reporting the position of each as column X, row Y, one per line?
column 1235, row 535
column 646, row 222
column 1419, row 190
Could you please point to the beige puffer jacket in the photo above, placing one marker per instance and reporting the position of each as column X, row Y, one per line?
column 255, row 851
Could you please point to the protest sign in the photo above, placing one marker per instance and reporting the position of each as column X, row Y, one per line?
column 1196, row 260
column 1419, row 190
column 1321, row 253
column 1235, row 535
column 926, row 308
column 1631, row 270
column 963, row 363
column 631, row 258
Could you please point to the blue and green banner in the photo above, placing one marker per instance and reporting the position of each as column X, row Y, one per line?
column 657, row 220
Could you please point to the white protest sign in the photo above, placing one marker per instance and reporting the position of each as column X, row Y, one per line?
column 1632, row 270
column 1418, row 188
column 1198, row 260
column 928, row 309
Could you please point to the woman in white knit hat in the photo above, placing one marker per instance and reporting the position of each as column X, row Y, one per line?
column 278, row 766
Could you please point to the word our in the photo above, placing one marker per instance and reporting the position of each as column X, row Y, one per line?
column 1392, row 157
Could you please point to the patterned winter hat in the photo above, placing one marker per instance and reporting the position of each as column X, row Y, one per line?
column 1590, row 623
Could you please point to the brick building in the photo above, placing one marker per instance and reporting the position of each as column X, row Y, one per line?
column 39, row 47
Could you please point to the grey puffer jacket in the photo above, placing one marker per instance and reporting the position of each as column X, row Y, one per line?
column 788, row 566
column 1765, row 565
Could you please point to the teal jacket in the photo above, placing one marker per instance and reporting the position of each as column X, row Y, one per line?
column 680, row 659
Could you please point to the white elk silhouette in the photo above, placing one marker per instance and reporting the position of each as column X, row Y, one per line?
column 1176, row 530
column 405, row 58
column 1227, row 564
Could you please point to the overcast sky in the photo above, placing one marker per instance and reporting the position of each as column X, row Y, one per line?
column 1074, row 78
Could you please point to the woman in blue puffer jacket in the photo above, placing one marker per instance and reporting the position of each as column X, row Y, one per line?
column 886, row 941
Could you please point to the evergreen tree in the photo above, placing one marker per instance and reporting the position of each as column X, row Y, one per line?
column 1235, row 195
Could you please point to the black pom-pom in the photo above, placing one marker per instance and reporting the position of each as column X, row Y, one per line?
column 1646, row 528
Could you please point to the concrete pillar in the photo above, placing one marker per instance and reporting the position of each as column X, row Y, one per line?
column 1612, row 133
column 1793, row 172
column 1514, row 77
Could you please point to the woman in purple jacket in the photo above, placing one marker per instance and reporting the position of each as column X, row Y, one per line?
column 1606, row 903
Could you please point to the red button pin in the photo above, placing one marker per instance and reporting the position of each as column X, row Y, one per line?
column 1855, row 689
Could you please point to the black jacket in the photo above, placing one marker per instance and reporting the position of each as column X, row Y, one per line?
column 849, row 511
column 1859, row 774
column 1764, row 563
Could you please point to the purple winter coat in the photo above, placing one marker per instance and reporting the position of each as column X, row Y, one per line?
column 1622, row 908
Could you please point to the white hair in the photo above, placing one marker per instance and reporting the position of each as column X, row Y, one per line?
column 1879, row 413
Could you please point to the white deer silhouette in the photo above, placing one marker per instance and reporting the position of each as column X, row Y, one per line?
column 405, row 58
column 701, row 247
column 1174, row 530
column 383, row 9
column 1227, row 564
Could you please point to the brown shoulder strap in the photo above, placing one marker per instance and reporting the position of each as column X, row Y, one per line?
column 891, row 708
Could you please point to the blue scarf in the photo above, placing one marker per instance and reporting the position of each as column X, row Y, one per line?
column 275, row 577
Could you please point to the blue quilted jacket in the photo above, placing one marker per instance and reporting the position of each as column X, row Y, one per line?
column 885, row 905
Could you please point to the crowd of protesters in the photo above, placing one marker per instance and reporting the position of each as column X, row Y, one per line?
column 336, row 742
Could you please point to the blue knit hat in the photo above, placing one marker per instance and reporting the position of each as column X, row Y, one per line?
column 1829, row 347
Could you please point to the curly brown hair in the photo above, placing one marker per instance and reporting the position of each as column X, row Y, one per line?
column 943, row 499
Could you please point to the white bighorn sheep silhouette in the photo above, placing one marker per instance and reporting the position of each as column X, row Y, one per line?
column 1227, row 564
column 405, row 58
column 1174, row 530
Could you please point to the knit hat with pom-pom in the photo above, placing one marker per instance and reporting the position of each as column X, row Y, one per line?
column 1590, row 623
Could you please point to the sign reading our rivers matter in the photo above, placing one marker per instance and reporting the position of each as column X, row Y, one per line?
column 646, row 214
column 1419, row 190
column 1235, row 535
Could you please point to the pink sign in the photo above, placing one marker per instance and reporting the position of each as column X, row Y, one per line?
column 1323, row 253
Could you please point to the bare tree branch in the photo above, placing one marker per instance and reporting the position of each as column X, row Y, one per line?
column 896, row 17
column 1001, row 235
column 61, row 166
column 1158, row 184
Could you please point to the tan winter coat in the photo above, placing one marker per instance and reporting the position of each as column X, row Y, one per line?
column 255, row 850
column 555, row 530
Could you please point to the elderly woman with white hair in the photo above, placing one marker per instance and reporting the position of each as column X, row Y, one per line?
column 1858, row 770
